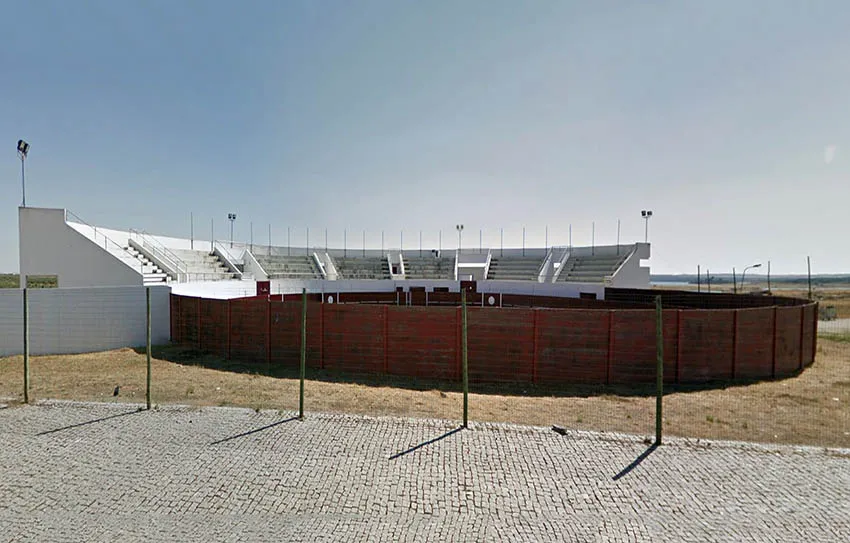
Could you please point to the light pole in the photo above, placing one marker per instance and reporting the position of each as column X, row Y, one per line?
column 23, row 149
column 459, row 228
column 646, row 214
column 232, row 218
column 744, row 273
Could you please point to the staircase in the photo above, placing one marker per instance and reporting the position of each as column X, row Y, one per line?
column 428, row 267
column 202, row 266
column 151, row 273
column 362, row 268
column 590, row 269
column 518, row 268
column 289, row 267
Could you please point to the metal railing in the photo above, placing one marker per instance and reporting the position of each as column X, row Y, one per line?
column 174, row 265
column 220, row 250
column 107, row 241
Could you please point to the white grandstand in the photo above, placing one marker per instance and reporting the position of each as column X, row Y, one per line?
column 56, row 242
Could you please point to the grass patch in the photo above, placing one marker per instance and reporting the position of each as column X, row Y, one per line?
column 12, row 280
column 838, row 338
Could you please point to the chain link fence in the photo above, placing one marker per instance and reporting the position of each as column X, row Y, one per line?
column 745, row 367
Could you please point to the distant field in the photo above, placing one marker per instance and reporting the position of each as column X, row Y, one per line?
column 12, row 280
column 833, row 294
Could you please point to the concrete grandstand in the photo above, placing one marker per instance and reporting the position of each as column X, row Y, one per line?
column 57, row 242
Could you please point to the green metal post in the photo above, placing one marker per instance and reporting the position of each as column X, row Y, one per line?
column 659, row 368
column 464, row 360
column 303, row 351
column 26, row 349
column 148, row 345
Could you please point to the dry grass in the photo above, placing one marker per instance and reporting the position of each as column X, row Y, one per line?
column 812, row 408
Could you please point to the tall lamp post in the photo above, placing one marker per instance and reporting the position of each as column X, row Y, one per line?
column 459, row 228
column 744, row 273
column 232, row 218
column 23, row 149
column 646, row 214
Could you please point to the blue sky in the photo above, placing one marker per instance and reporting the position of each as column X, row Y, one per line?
column 730, row 120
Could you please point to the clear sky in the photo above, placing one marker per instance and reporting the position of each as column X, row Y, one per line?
column 729, row 119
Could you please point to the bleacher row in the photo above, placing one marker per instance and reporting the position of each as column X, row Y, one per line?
column 577, row 269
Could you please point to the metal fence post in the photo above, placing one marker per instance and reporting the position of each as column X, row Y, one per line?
column 659, row 367
column 148, row 343
column 464, row 367
column 26, row 349
column 303, row 351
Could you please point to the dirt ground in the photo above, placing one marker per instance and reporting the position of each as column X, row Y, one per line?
column 812, row 408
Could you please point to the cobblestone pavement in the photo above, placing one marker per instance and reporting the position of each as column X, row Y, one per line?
column 97, row 472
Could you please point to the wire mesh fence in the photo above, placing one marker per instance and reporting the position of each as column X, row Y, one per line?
column 754, row 368
column 97, row 324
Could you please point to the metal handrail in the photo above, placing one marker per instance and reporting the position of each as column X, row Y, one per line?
column 94, row 229
column 226, row 255
column 106, row 238
column 162, row 252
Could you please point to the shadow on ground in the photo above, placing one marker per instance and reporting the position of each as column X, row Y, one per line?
column 628, row 469
column 194, row 357
column 254, row 431
column 86, row 423
column 426, row 443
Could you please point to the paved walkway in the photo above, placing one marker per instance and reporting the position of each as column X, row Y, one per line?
column 95, row 472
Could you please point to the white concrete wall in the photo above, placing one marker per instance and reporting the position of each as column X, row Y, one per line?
column 567, row 290
column 218, row 290
column 604, row 250
column 562, row 290
column 631, row 274
column 48, row 246
column 79, row 320
column 253, row 268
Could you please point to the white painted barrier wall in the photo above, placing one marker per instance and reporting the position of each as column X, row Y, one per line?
column 79, row 320
column 48, row 246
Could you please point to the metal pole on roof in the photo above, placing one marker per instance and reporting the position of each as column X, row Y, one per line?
column 593, row 238
column 288, row 242
column 191, row 230
column 523, row 241
column 699, row 280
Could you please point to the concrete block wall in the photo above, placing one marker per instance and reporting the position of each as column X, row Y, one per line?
column 80, row 320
